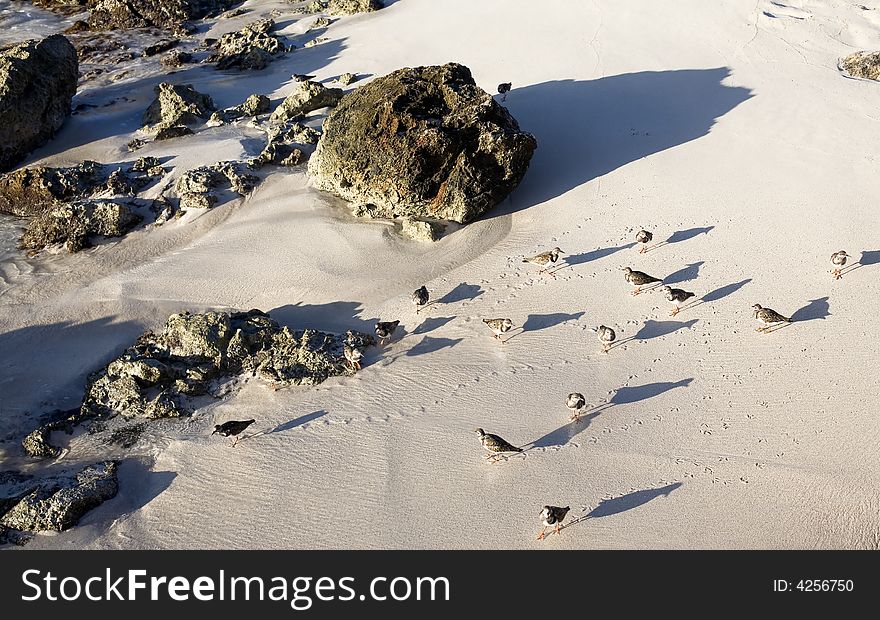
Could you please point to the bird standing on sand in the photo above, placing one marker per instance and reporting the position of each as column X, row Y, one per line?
column 503, row 89
column 354, row 355
column 420, row 298
column 644, row 237
column 499, row 326
column 838, row 259
column 575, row 402
column 639, row 279
column 769, row 317
column 544, row 259
column 677, row 297
column 552, row 516
column 386, row 329
column 606, row 336
column 495, row 445
column 233, row 428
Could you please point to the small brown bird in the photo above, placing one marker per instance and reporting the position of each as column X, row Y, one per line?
column 233, row 428
column 544, row 259
column 495, row 445
column 769, row 317
column 639, row 279
column 838, row 259
column 644, row 237
column 677, row 297
column 575, row 403
column 420, row 298
column 503, row 89
column 606, row 336
column 499, row 326
column 353, row 355
column 386, row 329
column 552, row 516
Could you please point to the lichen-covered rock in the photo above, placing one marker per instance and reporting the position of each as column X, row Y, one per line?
column 176, row 59
column 177, row 104
column 279, row 154
column 863, row 64
column 158, row 375
column 347, row 79
column 424, row 142
column 59, row 504
column 252, row 106
column 37, row 82
column 307, row 96
column 31, row 191
column 195, row 187
column 420, row 230
column 176, row 131
column 168, row 14
column 253, row 47
column 343, row 7
column 76, row 223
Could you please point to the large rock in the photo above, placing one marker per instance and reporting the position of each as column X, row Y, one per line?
column 863, row 64
column 423, row 142
column 37, row 82
column 344, row 7
column 169, row 14
column 177, row 104
column 253, row 47
column 76, row 223
column 59, row 504
column 306, row 96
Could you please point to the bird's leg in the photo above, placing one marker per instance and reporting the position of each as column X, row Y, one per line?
column 576, row 416
column 644, row 249
column 234, row 441
column 542, row 534
column 675, row 311
column 558, row 527
column 606, row 348
column 837, row 274
column 637, row 291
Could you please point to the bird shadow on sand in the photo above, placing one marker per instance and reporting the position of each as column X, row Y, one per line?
column 429, row 325
column 868, row 258
column 682, row 235
column 290, row 424
column 624, row 503
column 816, row 309
column 429, row 344
column 632, row 115
column 623, row 396
column 683, row 275
column 537, row 322
column 462, row 292
column 657, row 329
column 724, row 291
column 337, row 316
column 589, row 257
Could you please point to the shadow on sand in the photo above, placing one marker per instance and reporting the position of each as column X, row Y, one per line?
column 616, row 505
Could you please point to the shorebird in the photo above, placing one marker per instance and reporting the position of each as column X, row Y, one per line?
column 544, row 258
column 420, row 298
column 495, row 445
column 644, row 237
column 499, row 326
column 606, row 336
column 233, row 428
column 639, row 279
column 838, row 259
column 769, row 317
column 300, row 77
column 575, row 402
column 385, row 330
column 677, row 297
column 503, row 89
column 552, row 516
column 354, row 355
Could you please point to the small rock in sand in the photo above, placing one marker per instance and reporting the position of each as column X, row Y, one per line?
column 421, row 230
column 307, row 96
column 347, row 78
column 177, row 104
column 863, row 64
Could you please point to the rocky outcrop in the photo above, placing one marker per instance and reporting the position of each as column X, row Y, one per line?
column 159, row 375
column 863, row 65
column 175, row 105
column 75, row 224
column 343, row 7
column 37, row 82
column 285, row 145
column 252, row 106
column 32, row 191
column 168, row 14
column 420, row 230
column 307, row 96
column 59, row 503
column 424, row 142
column 197, row 188
column 253, row 47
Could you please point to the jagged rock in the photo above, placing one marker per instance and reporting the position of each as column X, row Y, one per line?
column 177, row 131
column 307, row 96
column 424, row 142
column 38, row 189
column 177, row 104
column 160, row 46
column 420, row 230
column 176, row 58
column 253, row 106
column 279, row 154
column 196, row 200
column 168, row 14
column 343, row 7
column 347, row 78
column 160, row 373
column 59, row 504
column 863, row 64
column 75, row 223
column 321, row 22
column 316, row 41
column 195, row 187
column 252, row 47
column 37, row 82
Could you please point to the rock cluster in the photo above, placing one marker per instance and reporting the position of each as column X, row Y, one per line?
column 254, row 105
column 167, row 14
column 177, row 105
column 197, row 188
column 284, row 145
column 75, row 223
column 307, row 96
column 343, row 7
column 159, row 375
column 424, row 142
column 862, row 64
column 59, row 503
column 37, row 82
column 253, row 47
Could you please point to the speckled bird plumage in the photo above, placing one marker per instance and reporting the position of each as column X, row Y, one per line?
column 420, row 297
column 499, row 326
column 354, row 355
column 544, row 258
column 644, row 237
column 768, row 317
column 606, row 336
column 385, row 329
column 575, row 402
column 552, row 516
column 495, row 444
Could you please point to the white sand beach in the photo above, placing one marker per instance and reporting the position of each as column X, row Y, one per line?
column 725, row 128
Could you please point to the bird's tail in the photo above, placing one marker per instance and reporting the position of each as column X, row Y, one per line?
column 251, row 421
column 525, row 260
